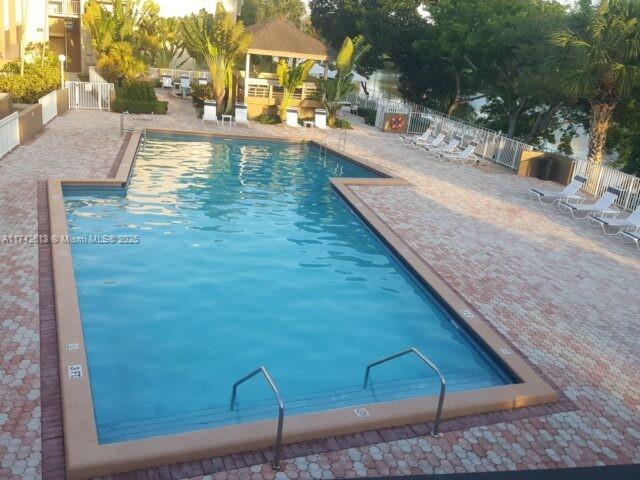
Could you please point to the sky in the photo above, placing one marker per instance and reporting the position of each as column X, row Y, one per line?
column 177, row 8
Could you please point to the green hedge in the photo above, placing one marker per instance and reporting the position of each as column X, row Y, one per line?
column 137, row 90
column 138, row 96
column 121, row 104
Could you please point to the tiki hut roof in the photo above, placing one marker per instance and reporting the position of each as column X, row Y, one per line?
column 279, row 38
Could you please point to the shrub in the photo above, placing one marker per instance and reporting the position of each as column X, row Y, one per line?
column 268, row 119
column 342, row 123
column 122, row 104
column 368, row 114
column 137, row 90
column 200, row 93
column 36, row 82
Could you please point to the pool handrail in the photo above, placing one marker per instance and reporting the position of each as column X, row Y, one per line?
column 143, row 129
column 276, row 392
column 426, row 360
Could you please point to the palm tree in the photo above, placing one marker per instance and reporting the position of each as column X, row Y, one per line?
column 599, row 58
column 335, row 89
column 203, row 32
column 218, row 71
column 291, row 77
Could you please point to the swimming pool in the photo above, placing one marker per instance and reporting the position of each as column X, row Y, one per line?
column 247, row 257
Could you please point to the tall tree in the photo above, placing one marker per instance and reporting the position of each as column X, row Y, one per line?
column 600, row 57
column 255, row 11
column 388, row 25
column 500, row 45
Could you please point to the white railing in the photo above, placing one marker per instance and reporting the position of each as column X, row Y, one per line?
column 9, row 133
column 601, row 177
column 492, row 145
column 49, row 106
column 90, row 95
column 65, row 8
column 175, row 74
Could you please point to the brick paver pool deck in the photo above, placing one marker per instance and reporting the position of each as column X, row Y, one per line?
column 560, row 291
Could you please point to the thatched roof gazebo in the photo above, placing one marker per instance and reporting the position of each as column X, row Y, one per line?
column 274, row 39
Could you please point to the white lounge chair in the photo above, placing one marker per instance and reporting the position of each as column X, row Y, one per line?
column 601, row 207
column 632, row 222
column 451, row 147
column 463, row 156
column 570, row 192
column 431, row 142
column 411, row 140
column 631, row 237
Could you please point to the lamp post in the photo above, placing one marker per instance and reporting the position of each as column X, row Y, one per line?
column 63, row 58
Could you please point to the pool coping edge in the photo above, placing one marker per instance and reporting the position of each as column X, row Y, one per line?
column 85, row 457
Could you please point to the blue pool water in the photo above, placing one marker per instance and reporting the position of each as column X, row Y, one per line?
column 247, row 257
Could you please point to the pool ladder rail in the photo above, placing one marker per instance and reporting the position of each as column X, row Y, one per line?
column 276, row 392
column 265, row 373
column 339, row 138
column 430, row 364
column 137, row 127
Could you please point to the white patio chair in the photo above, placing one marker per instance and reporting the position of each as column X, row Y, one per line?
column 464, row 156
column 632, row 222
column 631, row 237
column 601, row 207
column 567, row 193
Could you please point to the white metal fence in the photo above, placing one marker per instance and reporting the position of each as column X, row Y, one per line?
column 49, row 106
column 90, row 95
column 601, row 177
column 492, row 145
column 175, row 74
column 9, row 133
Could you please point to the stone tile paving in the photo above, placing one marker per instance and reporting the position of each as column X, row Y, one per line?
column 559, row 290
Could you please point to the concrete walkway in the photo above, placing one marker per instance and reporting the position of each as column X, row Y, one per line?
column 562, row 292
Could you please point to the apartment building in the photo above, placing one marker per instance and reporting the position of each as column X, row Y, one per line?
column 35, row 21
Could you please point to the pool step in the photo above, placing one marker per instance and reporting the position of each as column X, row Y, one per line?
column 247, row 411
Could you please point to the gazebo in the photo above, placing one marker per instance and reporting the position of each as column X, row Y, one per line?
column 257, row 85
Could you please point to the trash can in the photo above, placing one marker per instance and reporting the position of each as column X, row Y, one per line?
column 320, row 118
column 209, row 112
column 241, row 113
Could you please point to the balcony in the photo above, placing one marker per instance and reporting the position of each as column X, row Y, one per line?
column 64, row 8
